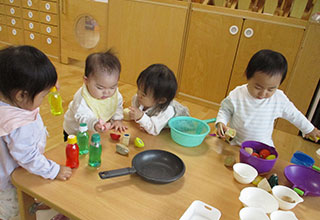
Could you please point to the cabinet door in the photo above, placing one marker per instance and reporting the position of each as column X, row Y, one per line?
column 211, row 46
column 279, row 37
column 84, row 28
column 146, row 32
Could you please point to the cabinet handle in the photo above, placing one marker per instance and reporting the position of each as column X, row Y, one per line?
column 233, row 29
column 29, row 3
column 248, row 32
column 31, row 25
column 32, row 36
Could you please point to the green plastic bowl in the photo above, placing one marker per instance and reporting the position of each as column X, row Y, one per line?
column 188, row 131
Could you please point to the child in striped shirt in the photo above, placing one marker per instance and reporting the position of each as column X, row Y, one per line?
column 251, row 109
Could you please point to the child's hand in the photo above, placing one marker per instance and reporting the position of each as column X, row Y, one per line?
column 135, row 113
column 118, row 126
column 64, row 173
column 101, row 126
column 314, row 134
column 221, row 129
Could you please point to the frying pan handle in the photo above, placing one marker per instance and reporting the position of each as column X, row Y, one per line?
column 117, row 172
column 211, row 120
column 316, row 168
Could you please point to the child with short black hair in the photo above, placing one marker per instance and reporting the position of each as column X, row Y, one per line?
column 26, row 76
column 153, row 105
column 251, row 109
column 98, row 102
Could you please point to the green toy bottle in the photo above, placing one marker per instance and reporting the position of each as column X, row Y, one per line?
column 95, row 150
column 55, row 102
column 83, row 139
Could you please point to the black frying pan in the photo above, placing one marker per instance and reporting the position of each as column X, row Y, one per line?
column 157, row 166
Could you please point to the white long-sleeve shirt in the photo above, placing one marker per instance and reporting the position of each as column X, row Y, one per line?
column 24, row 147
column 153, row 124
column 253, row 119
column 79, row 112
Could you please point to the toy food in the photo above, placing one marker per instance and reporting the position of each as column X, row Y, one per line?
column 138, row 142
column 264, row 153
column 255, row 155
column 229, row 161
column 230, row 134
column 126, row 116
column 271, row 157
column 249, row 150
column 115, row 136
column 122, row 149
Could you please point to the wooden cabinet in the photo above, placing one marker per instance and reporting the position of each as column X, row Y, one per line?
column 84, row 28
column 220, row 44
column 21, row 22
column 146, row 32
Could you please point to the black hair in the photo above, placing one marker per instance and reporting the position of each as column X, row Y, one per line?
column 97, row 62
column 161, row 82
column 269, row 62
column 25, row 68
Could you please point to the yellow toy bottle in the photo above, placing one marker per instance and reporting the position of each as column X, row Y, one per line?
column 55, row 102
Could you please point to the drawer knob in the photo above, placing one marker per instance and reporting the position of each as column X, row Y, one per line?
column 14, row 32
column 233, row 30
column 31, row 25
column 12, row 11
column 11, row 1
column 48, row 18
column 32, row 36
column 248, row 32
column 48, row 30
column 13, row 21
column 49, row 41
column 47, row 5
column 30, row 14
column 29, row 3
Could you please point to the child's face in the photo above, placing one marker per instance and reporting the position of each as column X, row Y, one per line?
column 23, row 100
column 262, row 86
column 144, row 99
column 102, row 85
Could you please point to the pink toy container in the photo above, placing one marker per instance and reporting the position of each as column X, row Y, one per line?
column 261, row 165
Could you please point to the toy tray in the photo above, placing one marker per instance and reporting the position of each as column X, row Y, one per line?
column 199, row 210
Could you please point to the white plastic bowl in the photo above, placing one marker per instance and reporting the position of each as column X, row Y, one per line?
column 258, row 198
column 244, row 173
column 286, row 197
column 283, row 215
column 251, row 213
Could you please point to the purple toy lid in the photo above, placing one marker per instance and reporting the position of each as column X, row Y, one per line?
column 303, row 178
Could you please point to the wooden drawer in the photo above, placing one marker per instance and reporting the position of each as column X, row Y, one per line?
column 2, row 19
column 2, row 9
column 14, row 22
column 15, row 35
column 12, row 2
column 13, row 11
column 48, row 18
column 30, row 14
column 31, row 26
column 3, row 33
column 47, row 6
column 50, row 45
column 32, row 38
column 49, row 30
column 31, row 4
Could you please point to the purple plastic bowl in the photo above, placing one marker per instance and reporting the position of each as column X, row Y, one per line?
column 261, row 165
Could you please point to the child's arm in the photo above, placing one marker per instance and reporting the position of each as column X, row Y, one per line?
column 224, row 115
column 314, row 134
column 64, row 173
column 154, row 124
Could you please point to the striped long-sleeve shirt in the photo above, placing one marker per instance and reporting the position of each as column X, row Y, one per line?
column 254, row 118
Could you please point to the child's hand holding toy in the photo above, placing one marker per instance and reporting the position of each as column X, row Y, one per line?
column 135, row 113
column 101, row 126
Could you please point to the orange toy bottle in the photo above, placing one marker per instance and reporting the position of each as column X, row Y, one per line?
column 72, row 152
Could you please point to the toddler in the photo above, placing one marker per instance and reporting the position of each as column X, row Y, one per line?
column 26, row 76
column 98, row 102
column 153, row 105
column 252, row 108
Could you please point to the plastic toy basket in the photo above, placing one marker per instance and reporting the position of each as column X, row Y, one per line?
column 188, row 131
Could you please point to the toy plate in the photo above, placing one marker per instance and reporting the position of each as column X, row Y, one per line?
column 201, row 211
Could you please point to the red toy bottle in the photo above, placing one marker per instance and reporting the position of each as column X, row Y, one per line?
column 72, row 152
